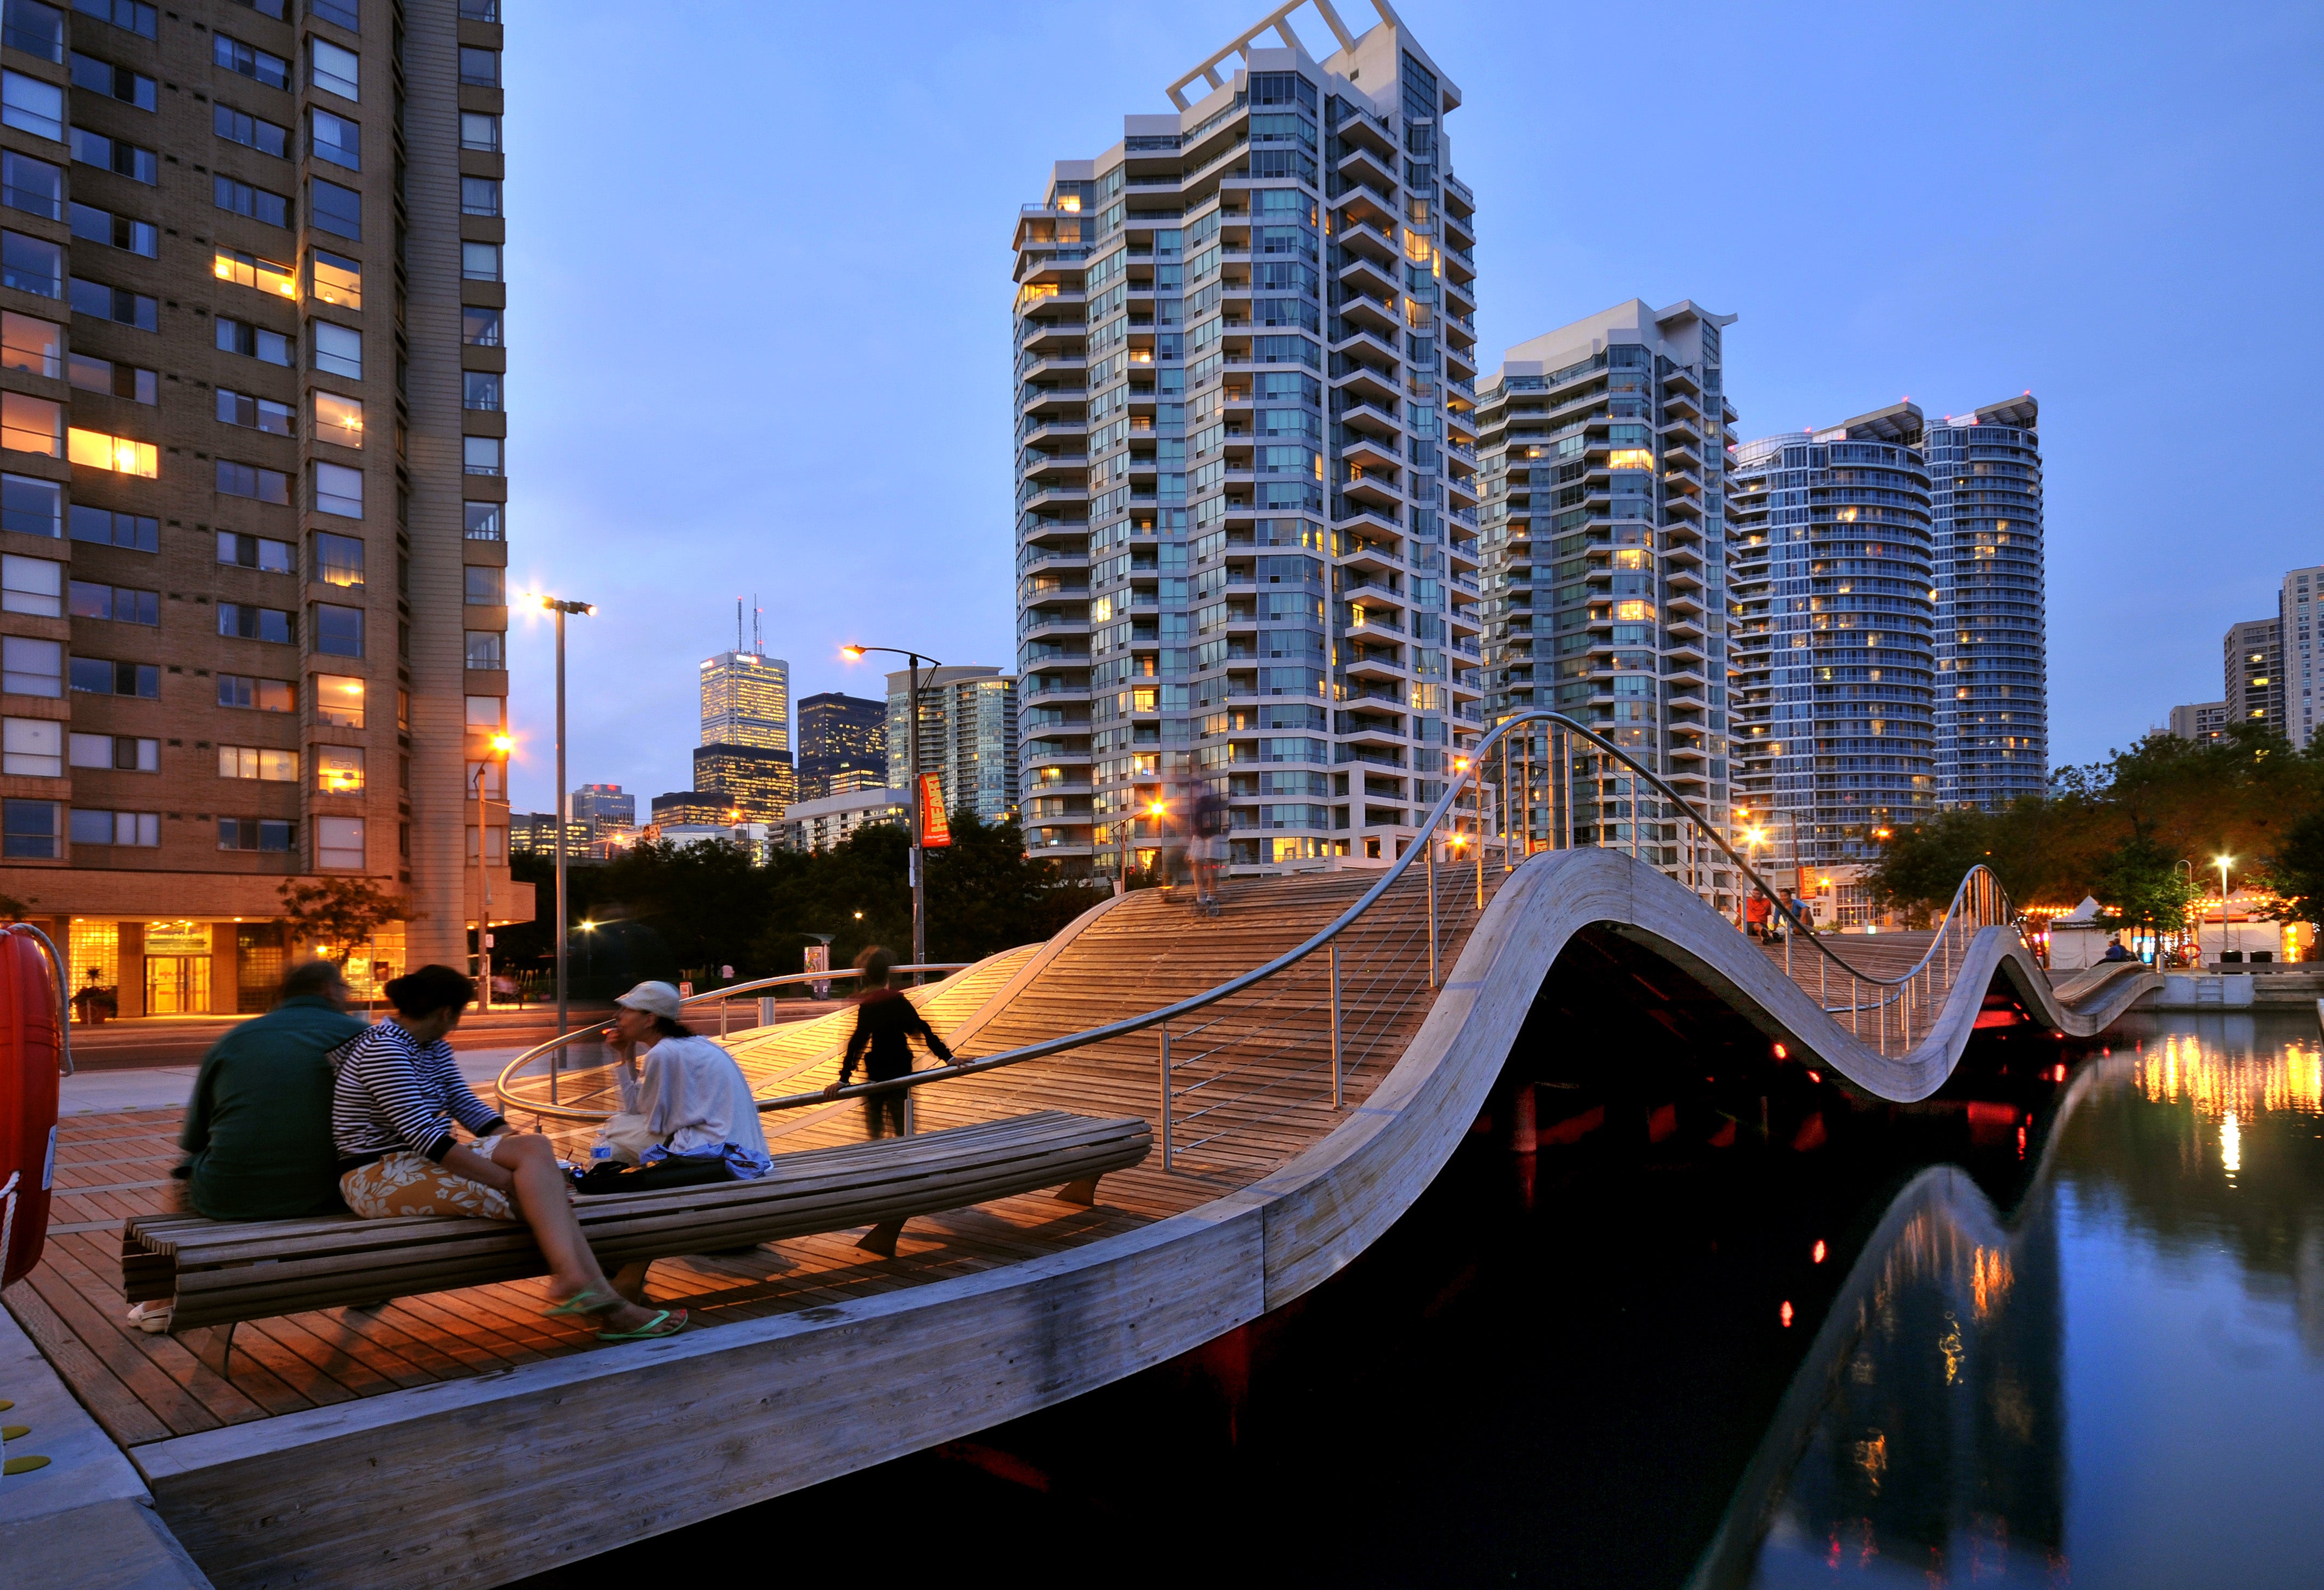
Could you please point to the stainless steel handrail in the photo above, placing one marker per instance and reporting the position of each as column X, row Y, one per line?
column 563, row 1040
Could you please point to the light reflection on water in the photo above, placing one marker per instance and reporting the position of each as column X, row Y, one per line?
column 2124, row 1385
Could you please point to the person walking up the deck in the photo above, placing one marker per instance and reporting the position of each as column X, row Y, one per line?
column 400, row 1090
column 884, row 1020
column 1210, row 846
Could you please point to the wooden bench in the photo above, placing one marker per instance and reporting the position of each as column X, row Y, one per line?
column 215, row 1272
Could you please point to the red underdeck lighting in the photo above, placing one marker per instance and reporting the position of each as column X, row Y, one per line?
column 1781, row 1053
column 1787, row 1314
column 1817, row 1257
column 1815, row 1076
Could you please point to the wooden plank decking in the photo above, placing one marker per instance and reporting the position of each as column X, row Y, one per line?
column 1252, row 1083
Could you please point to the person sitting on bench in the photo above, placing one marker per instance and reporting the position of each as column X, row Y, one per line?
column 399, row 1092
column 258, row 1129
column 693, row 1099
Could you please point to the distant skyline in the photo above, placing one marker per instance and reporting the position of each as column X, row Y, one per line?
column 2096, row 204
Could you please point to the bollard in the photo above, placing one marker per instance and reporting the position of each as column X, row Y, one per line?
column 766, row 1010
column 1523, row 1138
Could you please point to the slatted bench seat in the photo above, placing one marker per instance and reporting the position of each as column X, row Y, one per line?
column 219, row 1272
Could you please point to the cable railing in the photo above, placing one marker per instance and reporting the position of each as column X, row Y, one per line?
column 1513, row 794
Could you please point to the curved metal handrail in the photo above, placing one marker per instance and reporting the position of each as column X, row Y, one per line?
column 564, row 1040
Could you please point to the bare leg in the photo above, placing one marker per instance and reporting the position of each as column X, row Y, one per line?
column 542, row 1196
column 630, row 1280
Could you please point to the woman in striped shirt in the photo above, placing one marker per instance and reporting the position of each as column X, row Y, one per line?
column 399, row 1093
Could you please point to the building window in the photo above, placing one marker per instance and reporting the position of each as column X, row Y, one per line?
column 239, row 408
column 118, row 304
column 487, row 712
column 34, row 747
column 31, row 668
column 338, row 770
column 480, row 389
column 32, row 345
column 33, row 186
column 339, row 843
column 338, row 630
column 91, row 225
column 114, row 82
column 121, row 753
column 340, row 419
column 94, row 449
column 117, row 604
column 487, row 586
column 245, row 270
column 104, row 528
column 337, row 280
column 31, row 425
column 32, row 106
column 238, row 56
column 486, row 648
column 117, row 155
column 242, row 621
column 129, row 15
column 336, row 70
column 480, row 131
column 336, row 208
column 35, row 29
column 237, row 126
column 480, row 327
column 254, row 695
column 31, row 585
column 257, row 762
column 479, row 454
column 479, row 196
column 338, row 349
column 116, row 827
column 32, row 265
column 248, row 480
column 335, row 139
column 252, row 552
column 339, row 701
column 121, row 380
column 240, row 336
column 339, row 559
column 253, row 833
column 242, row 198
column 480, row 261
column 28, row 830
column 338, row 490
column 480, row 68
column 102, row 676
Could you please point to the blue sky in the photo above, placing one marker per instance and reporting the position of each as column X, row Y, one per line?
column 760, row 286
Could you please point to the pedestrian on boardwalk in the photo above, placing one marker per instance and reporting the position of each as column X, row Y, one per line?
column 1210, row 824
column 884, row 1020
column 399, row 1091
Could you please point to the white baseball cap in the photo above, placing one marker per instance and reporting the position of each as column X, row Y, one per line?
column 656, row 999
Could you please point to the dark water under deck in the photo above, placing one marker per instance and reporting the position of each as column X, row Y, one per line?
column 2095, row 1357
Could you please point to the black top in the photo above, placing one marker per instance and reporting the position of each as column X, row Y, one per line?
column 884, row 1019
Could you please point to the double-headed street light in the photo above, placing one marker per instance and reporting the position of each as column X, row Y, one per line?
column 918, row 819
column 552, row 605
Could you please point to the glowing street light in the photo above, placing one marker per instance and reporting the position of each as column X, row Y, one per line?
column 559, row 610
column 499, row 745
column 854, row 653
column 2221, row 863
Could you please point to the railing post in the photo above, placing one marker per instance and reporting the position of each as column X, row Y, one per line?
column 1429, row 858
column 1165, row 1095
column 1338, row 1096
column 1562, row 773
column 1480, row 839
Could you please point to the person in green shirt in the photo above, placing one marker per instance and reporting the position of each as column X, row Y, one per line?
column 258, row 1130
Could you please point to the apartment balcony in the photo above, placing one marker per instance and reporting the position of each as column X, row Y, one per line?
column 1054, row 367
column 1376, row 666
column 1367, row 167
column 1366, row 413
column 1377, row 315
column 1377, row 386
column 1367, row 453
column 1046, row 401
column 1370, row 227
column 1363, row 519
column 1049, row 496
column 1367, row 556
column 1370, row 277
column 1059, row 337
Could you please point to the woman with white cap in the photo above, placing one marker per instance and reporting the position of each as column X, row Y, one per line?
column 695, row 1099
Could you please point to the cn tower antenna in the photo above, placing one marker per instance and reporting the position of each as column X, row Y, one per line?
column 738, row 624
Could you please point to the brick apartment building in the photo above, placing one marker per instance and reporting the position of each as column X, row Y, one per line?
column 253, row 508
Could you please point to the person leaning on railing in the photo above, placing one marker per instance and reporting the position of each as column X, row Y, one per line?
column 884, row 1020
column 399, row 1093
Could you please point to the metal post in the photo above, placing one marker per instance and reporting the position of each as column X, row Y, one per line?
column 1428, row 857
column 1502, row 816
column 483, row 893
column 920, row 826
column 1477, row 780
column 556, row 1061
column 1564, row 777
column 1528, row 789
column 1165, row 1095
column 1338, row 1096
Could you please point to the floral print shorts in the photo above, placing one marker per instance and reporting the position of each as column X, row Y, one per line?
column 413, row 1184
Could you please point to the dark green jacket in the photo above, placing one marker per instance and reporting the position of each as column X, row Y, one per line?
column 258, row 1131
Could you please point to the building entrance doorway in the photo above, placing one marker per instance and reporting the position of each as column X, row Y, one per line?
column 177, row 984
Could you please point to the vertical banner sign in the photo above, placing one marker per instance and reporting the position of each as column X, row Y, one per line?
column 818, row 959
column 935, row 829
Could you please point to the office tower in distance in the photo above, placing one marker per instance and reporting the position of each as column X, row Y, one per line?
column 758, row 784
column 2252, row 660
column 253, row 497
column 1245, row 358
column 605, row 809
column 1604, row 453
column 843, row 745
column 704, row 808
column 534, row 833
column 1834, row 665
column 968, row 738
column 2296, row 600
column 745, row 752
column 1993, row 679
column 827, row 822
column 2203, row 722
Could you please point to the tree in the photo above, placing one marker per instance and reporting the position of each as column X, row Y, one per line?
column 2143, row 888
column 339, row 912
column 2295, row 872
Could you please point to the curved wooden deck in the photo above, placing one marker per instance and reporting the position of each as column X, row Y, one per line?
column 346, row 1435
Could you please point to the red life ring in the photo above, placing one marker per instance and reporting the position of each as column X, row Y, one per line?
column 29, row 1039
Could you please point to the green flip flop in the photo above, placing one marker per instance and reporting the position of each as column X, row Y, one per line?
column 586, row 1302
column 667, row 1323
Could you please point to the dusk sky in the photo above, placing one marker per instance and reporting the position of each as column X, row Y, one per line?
column 2116, row 208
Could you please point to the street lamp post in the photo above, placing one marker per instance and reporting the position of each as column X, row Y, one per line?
column 918, row 820
column 552, row 605
column 501, row 742
column 2222, row 864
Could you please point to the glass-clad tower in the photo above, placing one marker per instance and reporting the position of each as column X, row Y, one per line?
column 1604, row 454
column 1993, row 680
column 1246, row 503
column 1834, row 649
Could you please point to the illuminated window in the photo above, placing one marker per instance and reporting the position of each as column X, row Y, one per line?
column 1631, row 459
column 1631, row 611
column 339, row 843
column 34, row 748
column 256, row 761
column 339, row 701
column 248, row 270
column 338, row 770
column 1632, row 557
column 121, row 454
column 336, row 280
column 339, row 419
column 32, row 345
column 32, row 425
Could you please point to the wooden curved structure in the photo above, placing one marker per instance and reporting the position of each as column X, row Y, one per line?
column 1274, row 1190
